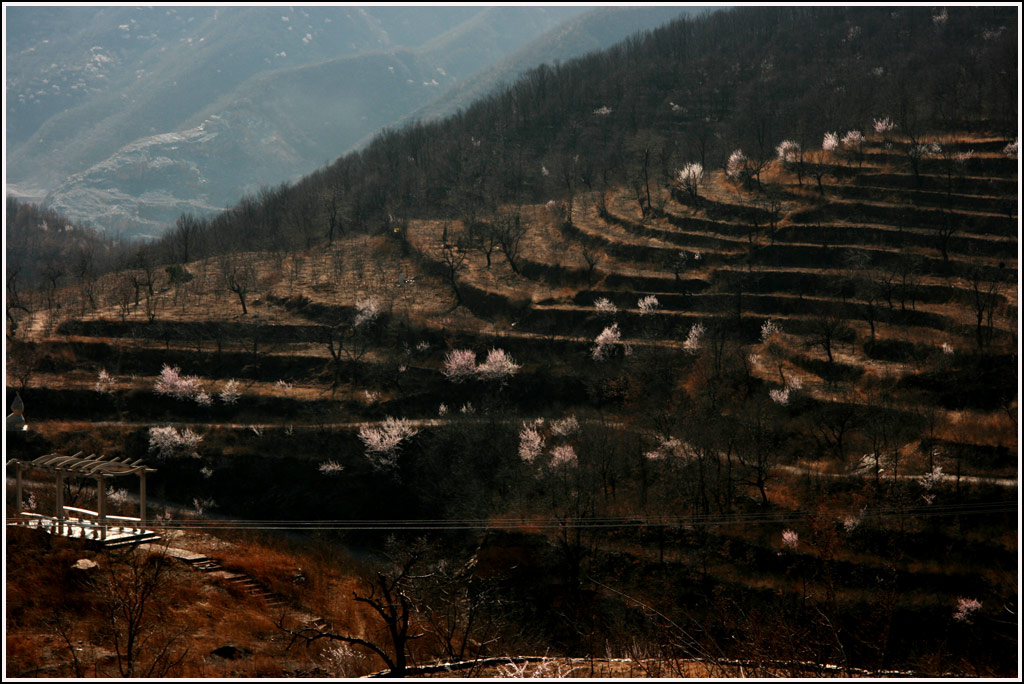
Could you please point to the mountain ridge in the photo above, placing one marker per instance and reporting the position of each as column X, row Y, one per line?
column 312, row 116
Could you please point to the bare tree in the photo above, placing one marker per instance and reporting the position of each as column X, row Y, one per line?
column 239, row 276
column 592, row 258
column 984, row 299
column 453, row 260
column 829, row 327
column 84, row 265
column 511, row 231
column 640, row 181
column 760, row 441
column 817, row 168
column 131, row 591
column 334, row 211
column 945, row 230
column 21, row 362
column 178, row 276
column 460, row 612
column 63, row 626
column 833, row 424
column 143, row 278
column 184, row 237
column 52, row 273
column 772, row 205
column 345, row 342
column 484, row 237
column 389, row 595
column 570, row 176
column 13, row 302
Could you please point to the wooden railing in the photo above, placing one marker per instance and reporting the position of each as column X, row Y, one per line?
column 86, row 522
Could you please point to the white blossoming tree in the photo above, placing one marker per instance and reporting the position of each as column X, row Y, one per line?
column 167, row 442
column 173, row 384
column 853, row 144
column 604, row 344
column 367, row 311
column 605, row 307
column 830, row 143
column 498, row 366
column 563, row 454
column 382, row 442
column 695, row 339
column 791, row 154
column 330, row 467
column 690, row 178
column 884, row 128
column 769, row 329
column 104, row 381
column 647, row 305
column 565, row 427
column 737, row 167
column 229, row 394
column 531, row 443
column 459, row 365
column 788, row 151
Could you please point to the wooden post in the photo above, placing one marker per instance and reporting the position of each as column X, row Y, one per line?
column 101, row 487
column 17, row 494
column 60, row 503
column 142, row 502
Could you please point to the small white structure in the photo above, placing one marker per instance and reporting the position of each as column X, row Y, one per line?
column 70, row 521
column 16, row 421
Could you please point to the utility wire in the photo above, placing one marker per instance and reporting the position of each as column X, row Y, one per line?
column 621, row 522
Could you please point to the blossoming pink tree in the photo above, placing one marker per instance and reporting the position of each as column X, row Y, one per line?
column 382, row 442
column 167, row 442
column 830, row 143
column 498, row 366
column 229, row 394
column 563, row 454
column 647, row 305
column 605, row 307
column 695, row 339
column 965, row 609
column 172, row 383
column 604, row 344
column 459, row 365
column 531, row 443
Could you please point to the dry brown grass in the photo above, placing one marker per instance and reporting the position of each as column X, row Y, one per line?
column 996, row 428
column 426, row 237
column 199, row 614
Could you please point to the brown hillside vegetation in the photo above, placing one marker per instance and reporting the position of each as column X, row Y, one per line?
column 769, row 429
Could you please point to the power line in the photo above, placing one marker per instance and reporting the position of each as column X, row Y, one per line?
column 622, row 522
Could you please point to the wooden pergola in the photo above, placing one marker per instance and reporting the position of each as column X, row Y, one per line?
column 70, row 520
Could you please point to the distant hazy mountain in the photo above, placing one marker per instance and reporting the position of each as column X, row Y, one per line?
column 127, row 116
column 596, row 30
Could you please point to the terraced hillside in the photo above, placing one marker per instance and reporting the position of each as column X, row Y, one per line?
column 871, row 281
column 826, row 349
